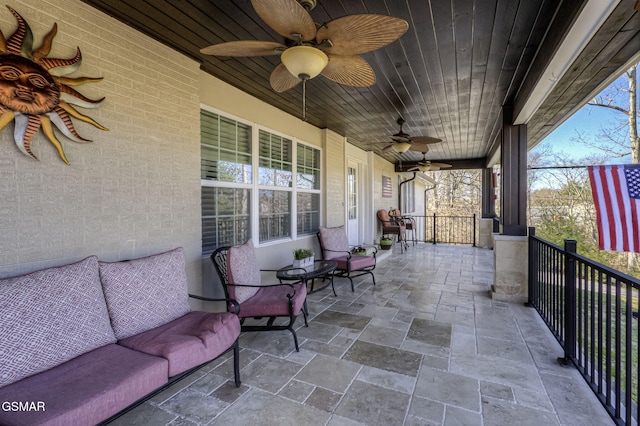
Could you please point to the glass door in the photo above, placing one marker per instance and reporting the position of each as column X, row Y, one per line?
column 352, row 205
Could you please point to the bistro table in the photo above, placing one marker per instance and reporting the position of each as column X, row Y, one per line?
column 320, row 269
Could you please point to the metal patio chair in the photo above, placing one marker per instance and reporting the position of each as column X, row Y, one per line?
column 248, row 297
column 335, row 246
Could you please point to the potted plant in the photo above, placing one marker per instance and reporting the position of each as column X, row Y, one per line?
column 302, row 257
column 386, row 243
column 359, row 251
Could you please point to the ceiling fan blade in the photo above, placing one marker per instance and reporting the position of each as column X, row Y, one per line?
column 425, row 140
column 419, row 147
column 282, row 80
column 354, row 34
column 388, row 148
column 349, row 70
column 245, row 48
column 286, row 17
column 440, row 165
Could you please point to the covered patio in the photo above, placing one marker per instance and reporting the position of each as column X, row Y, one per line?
column 426, row 345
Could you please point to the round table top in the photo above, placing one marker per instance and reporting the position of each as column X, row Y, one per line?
column 319, row 268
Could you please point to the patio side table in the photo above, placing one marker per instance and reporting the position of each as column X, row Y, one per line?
column 320, row 269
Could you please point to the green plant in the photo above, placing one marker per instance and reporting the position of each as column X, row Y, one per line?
column 302, row 253
column 359, row 250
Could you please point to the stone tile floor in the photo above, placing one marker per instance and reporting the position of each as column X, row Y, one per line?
column 425, row 346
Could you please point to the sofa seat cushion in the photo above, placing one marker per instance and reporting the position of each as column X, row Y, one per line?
column 145, row 293
column 357, row 262
column 50, row 316
column 274, row 301
column 87, row 389
column 188, row 341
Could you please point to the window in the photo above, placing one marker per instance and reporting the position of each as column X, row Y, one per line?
column 225, row 147
column 247, row 172
column 275, row 171
column 352, row 194
column 308, row 189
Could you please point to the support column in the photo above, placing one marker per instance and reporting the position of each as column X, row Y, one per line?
column 510, row 247
column 513, row 188
column 485, row 225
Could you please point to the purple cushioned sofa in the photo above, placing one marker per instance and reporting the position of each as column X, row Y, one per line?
column 81, row 343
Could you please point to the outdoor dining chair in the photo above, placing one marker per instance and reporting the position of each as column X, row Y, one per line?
column 335, row 246
column 248, row 297
column 409, row 223
column 395, row 227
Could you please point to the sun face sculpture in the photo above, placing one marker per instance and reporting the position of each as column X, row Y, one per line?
column 34, row 92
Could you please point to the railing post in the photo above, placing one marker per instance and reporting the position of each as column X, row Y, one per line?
column 570, row 247
column 533, row 266
column 474, row 230
column 434, row 228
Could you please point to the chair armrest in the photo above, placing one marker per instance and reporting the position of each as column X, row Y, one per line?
column 267, row 285
column 291, row 285
column 236, row 305
column 347, row 252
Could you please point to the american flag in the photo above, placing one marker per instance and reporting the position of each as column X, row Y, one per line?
column 616, row 194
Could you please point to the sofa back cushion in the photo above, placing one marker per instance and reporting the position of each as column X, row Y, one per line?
column 50, row 316
column 145, row 293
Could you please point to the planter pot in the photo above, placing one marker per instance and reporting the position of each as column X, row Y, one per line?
column 386, row 245
column 359, row 253
column 303, row 263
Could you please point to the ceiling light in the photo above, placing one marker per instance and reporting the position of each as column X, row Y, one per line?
column 401, row 147
column 304, row 62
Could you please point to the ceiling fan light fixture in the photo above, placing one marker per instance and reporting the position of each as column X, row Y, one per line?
column 304, row 62
column 401, row 147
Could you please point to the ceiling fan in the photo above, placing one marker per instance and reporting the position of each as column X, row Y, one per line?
column 309, row 49
column 403, row 142
column 425, row 165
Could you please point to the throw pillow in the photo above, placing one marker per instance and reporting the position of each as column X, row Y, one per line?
column 50, row 316
column 145, row 293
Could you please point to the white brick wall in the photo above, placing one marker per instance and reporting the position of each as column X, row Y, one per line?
column 133, row 191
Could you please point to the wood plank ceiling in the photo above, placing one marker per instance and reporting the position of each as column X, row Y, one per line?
column 448, row 76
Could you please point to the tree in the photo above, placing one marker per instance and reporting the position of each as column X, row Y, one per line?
column 457, row 192
column 621, row 139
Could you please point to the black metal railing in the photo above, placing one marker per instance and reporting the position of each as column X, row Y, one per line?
column 593, row 312
column 446, row 229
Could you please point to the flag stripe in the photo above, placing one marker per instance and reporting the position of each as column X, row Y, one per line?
column 596, row 190
column 617, row 200
column 634, row 224
column 617, row 213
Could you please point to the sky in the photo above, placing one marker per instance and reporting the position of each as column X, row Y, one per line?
column 588, row 120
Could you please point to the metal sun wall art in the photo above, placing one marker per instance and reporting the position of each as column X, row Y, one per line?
column 34, row 92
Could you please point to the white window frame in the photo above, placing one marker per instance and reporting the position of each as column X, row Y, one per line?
column 255, row 187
